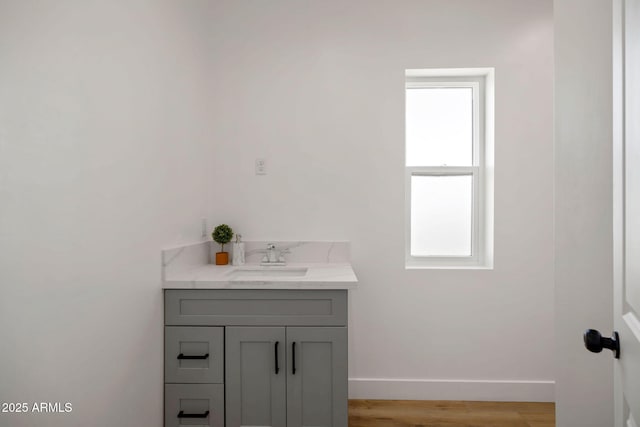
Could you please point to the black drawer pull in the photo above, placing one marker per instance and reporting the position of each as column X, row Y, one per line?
column 181, row 414
column 183, row 357
column 277, row 367
column 293, row 357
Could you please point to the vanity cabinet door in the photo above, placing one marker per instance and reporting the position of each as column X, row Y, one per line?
column 255, row 376
column 317, row 389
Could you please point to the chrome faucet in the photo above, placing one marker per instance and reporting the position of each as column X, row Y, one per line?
column 273, row 256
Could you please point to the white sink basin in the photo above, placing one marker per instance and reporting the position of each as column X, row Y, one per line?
column 266, row 273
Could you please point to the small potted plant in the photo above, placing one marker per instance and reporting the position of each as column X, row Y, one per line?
column 222, row 235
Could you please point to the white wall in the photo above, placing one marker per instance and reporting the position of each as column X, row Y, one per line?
column 317, row 88
column 583, row 185
column 104, row 145
column 117, row 121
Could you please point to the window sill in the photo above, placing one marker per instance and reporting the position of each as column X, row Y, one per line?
column 447, row 264
column 448, row 267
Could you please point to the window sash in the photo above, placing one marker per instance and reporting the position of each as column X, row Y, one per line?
column 474, row 172
column 476, row 117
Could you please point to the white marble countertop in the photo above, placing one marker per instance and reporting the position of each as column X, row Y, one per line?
column 317, row 276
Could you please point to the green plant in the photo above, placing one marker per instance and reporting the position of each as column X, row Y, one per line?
column 222, row 235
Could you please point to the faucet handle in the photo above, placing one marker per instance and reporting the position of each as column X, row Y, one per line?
column 281, row 254
column 271, row 246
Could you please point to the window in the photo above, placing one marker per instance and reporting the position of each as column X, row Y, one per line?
column 449, row 168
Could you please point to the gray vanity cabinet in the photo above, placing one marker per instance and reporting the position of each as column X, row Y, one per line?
column 284, row 354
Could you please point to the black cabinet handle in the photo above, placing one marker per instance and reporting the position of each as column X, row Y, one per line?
column 183, row 357
column 181, row 414
column 595, row 342
column 293, row 357
column 277, row 367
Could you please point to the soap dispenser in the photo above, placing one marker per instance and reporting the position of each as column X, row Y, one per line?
column 238, row 251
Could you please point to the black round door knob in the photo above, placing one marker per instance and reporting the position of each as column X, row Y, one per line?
column 595, row 342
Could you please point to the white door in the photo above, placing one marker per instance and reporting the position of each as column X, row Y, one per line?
column 626, row 108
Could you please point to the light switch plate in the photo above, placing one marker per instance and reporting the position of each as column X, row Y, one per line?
column 261, row 167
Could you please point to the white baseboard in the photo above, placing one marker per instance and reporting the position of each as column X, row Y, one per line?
column 428, row 389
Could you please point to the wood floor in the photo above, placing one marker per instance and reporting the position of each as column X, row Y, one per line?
column 431, row 413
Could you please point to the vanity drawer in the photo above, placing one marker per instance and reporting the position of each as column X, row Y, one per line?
column 246, row 307
column 193, row 354
column 194, row 404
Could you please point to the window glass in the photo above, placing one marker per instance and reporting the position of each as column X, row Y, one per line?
column 441, row 215
column 439, row 126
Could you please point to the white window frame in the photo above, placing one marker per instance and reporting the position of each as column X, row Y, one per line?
column 482, row 218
